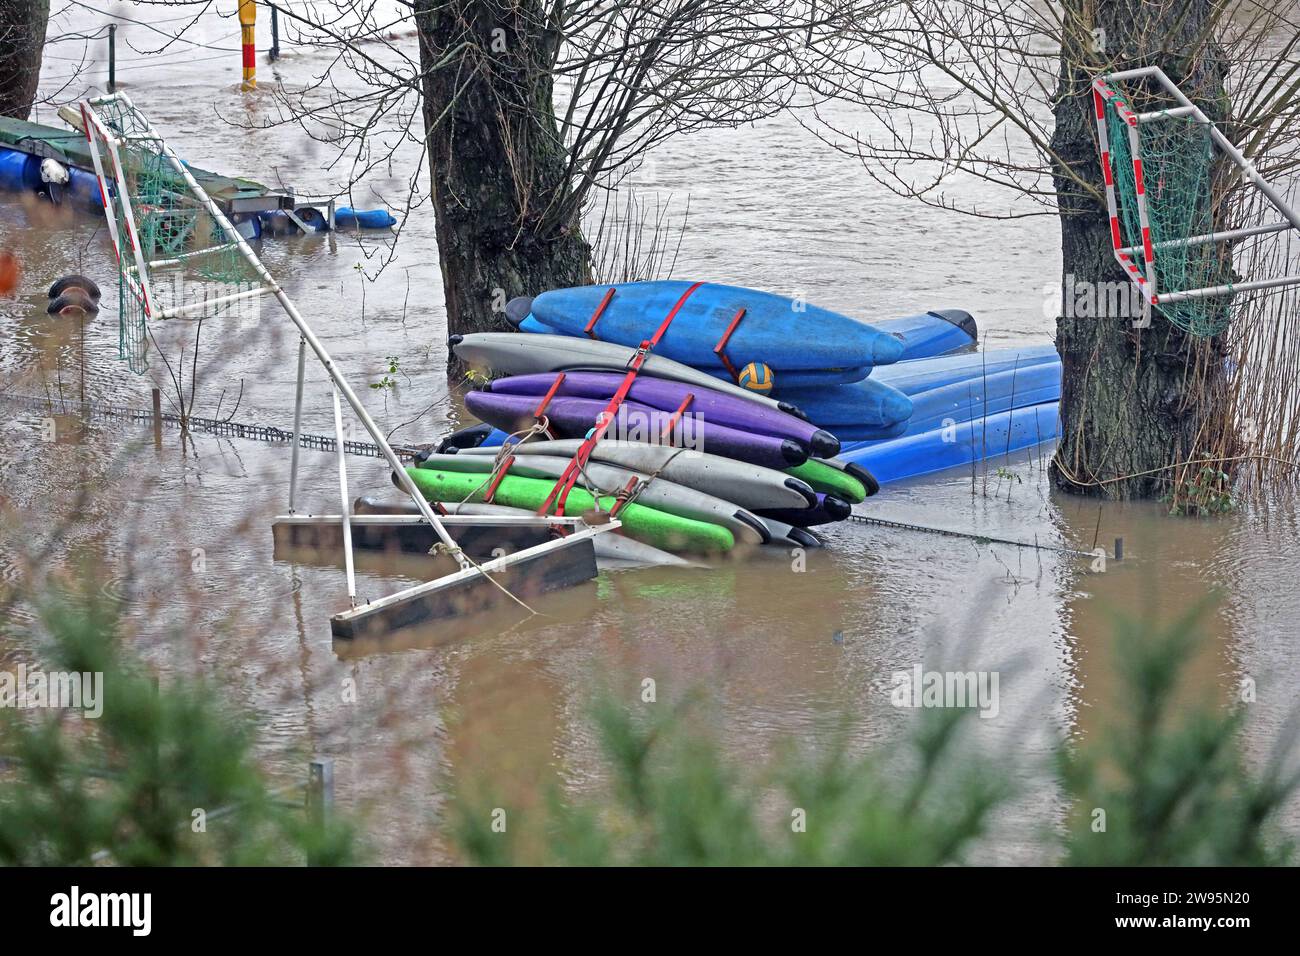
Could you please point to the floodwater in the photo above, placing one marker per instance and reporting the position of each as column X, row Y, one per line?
column 782, row 651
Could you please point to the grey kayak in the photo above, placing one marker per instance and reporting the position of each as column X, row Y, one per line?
column 611, row 549
column 660, row 493
column 523, row 353
column 749, row 486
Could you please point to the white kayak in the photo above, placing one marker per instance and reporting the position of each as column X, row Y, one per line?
column 521, row 353
column 660, row 493
column 752, row 487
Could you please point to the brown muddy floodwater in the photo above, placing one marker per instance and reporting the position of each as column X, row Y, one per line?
column 781, row 654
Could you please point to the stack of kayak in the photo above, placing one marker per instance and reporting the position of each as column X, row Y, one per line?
column 735, row 471
column 966, row 408
column 753, row 419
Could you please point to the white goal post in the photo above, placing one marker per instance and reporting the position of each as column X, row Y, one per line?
column 1139, row 254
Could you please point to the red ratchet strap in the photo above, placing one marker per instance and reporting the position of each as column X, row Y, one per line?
column 541, row 408
column 546, row 401
column 595, row 316
column 560, row 492
column 501, row 473
column 722, row 344
column 676, row 417
column 624, row 497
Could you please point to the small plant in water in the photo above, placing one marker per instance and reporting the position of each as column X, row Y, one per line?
column 1209, row 493
column 388, row 382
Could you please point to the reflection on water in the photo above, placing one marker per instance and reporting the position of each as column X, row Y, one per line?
column 784, row 645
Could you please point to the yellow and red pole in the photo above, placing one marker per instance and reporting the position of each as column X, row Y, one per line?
column 247, row 28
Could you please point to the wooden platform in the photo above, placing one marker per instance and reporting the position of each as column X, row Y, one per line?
column 535, row 562
column 525, row 574
column 396, row 534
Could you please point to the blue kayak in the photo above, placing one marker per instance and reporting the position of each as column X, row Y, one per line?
column 923, row 336
column 941, row 448
column 870, row 403
column 986, row 395
column 940, row 332
column 792, row 378
column 784, row 334
column 912, row 377
column 850, row 434
column 853, row 410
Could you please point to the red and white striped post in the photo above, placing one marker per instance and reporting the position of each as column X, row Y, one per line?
column 247, row 28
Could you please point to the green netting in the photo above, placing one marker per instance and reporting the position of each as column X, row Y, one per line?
column 192, row 261
column 132, row 335
column 1177, row 171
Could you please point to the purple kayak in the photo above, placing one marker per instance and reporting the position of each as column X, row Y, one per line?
column 575, row 417
column 828, row 509
column 710, row 406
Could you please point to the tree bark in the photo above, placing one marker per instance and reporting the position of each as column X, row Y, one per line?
column 1134, row 401
column 496, row 160
column 22, row 35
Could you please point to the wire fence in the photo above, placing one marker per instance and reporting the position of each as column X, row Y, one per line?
column 271, row 434
column 978, row 538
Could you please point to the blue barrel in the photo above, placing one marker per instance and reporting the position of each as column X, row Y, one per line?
column 19, row 171
column 345, row 217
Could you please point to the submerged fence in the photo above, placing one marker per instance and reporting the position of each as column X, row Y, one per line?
column 272, row 434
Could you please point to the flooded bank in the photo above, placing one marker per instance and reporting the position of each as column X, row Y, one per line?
column 785, row 646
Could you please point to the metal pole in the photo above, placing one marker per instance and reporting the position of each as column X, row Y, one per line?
column 128, row 217
column 248, row 38
column 112, row 58
column 320, row 795
column 308, row 335
column 275, row 33
column 1177, row 112
column 297, row 421
column 1165, row 298
column 157, row 417
column 347, row 507
column 1243, row 233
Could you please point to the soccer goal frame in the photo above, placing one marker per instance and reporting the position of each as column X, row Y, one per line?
column 1138, row 255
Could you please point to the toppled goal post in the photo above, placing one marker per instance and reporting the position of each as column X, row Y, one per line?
column 1159, row 165
column 161, row 220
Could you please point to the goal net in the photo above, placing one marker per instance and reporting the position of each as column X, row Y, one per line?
column 175, row 258
column 1178, row 220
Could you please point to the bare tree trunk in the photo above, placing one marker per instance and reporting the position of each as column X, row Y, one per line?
column 22, row 35
column 1134, row 401
column 496, row 161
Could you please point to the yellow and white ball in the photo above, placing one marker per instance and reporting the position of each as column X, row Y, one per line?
column 756, row 377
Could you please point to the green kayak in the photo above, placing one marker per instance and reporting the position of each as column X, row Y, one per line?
column 830, row 480
column 654, row 527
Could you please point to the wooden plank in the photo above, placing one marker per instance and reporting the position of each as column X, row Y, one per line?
column 397, row 534
column 526, row 574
